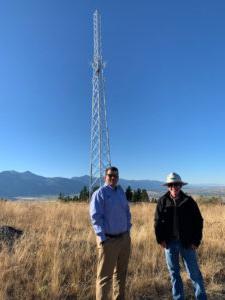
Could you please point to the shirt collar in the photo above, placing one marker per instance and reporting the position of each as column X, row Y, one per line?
column 110, row 187
column 177, row 199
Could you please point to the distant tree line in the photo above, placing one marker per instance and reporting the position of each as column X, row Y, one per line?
column 3, row 199
column 83, row 196
column 139, row 195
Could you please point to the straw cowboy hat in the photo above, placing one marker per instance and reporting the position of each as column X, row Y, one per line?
column 174, row 178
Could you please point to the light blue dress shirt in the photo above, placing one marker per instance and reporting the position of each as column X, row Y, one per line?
column 109, row 211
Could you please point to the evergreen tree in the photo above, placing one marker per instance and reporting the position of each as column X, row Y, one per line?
column 67, row 198
column 153, row 200
column 61, row 196
column 75, row 198
column 137, row 195
column 129, row 193
column 95, row 188
column 144, row 196
column 84, row 194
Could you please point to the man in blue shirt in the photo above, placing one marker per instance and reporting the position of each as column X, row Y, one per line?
column 111, row 220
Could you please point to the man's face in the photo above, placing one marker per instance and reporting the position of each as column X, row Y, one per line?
column 111, row 178
column 174, row 189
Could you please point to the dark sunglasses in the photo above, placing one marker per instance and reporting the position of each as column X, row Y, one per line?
column 112, row 175
column 174, row 184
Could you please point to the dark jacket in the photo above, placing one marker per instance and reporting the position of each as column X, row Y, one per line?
column 190, row 221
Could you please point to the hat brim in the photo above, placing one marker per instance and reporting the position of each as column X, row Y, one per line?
column 182, row 183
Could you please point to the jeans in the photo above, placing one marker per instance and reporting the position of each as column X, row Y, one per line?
column 190, row 262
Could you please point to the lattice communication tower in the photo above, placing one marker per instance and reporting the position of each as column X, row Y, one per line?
column 100, row 150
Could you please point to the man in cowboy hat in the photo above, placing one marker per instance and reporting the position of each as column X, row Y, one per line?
column 178, row 229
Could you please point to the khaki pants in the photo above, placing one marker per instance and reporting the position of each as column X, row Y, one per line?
column 113, row 257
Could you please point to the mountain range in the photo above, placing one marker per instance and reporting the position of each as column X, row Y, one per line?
column 28, row 184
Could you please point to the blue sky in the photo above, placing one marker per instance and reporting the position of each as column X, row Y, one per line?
column 165, row 87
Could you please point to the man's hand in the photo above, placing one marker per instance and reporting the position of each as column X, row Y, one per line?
column 163, row 244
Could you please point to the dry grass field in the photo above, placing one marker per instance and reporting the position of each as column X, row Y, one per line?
column 55, row 258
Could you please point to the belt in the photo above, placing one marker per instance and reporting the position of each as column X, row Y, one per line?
column 116, row 235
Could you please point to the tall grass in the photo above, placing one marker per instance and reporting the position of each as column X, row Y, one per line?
column 56, row 257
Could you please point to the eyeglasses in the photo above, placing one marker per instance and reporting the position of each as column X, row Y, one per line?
column 174, row 185
column 113, row 175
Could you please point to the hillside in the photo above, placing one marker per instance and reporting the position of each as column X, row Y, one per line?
column 28, row 184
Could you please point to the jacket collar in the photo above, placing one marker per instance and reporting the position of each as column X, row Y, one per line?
column 181, row 200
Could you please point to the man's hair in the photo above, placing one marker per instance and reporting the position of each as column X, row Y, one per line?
column 113, row 169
